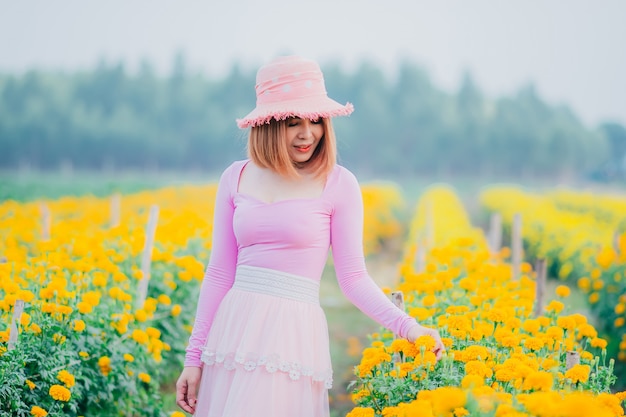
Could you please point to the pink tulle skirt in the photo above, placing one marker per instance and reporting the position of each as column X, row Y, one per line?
column 267, row 353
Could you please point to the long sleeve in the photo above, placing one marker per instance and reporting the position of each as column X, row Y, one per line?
column 347, row 249
column 220, row 272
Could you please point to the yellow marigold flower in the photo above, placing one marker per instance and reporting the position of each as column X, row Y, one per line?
column 83, row 354
column 58, row 338
column 578, row 373
column 164, row 299
column 586, row 355
column 25, row 319
column 67, row 378
column 141, row 315
column 425, row 341
column 99, row 279
column 84, row 308
column 67, row 310
column 620, row 308
column 594, row 297
column 34, row 327
column 533, row 343
column 144, row 377
column 549, row 363
column 31, row 384
column 565, row 270
column 153, row 332
column 472, row 380
column 79, row 326
column 357, row 412
column 38, row 411
column 619, row 322
column 562, row 291
column 105, row 365
column 429, row 301
column 596, row 273
column 497, row 315
column 460, row 412
column 598, row 343
column 531, row 326
column 539, row 381
column 554, row 332
column 128, row 357
column 180, row 414
column 504, row 375
column 478, row 368
column 587, row 330
column 584, row 284
column 176, row 309
column 60, row 393
column 140, row 336
column 566, row 322
column 555, row 306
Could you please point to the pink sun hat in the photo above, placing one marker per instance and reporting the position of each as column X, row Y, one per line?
column 291, row 86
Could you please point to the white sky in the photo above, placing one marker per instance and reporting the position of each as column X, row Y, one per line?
column 573, row 50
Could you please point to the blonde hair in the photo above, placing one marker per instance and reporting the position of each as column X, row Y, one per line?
column 267, row 147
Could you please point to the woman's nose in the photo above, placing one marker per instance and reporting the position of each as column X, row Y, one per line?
column 306, row 129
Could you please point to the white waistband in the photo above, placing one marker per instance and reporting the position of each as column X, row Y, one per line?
column 277, row 283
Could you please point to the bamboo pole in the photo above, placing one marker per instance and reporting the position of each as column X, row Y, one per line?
column 572, row 358
column 541, row 270
column 18, row 309
column 146, row 257
column 116, row 202
column 420, row 257
column 495, row 233
column 46, row 222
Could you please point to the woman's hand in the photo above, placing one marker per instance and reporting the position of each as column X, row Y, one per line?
column 187, row 388
column 419, row 330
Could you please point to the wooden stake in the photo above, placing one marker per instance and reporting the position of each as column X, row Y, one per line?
column 540, row 285
column 46, row 223
column 516, row 245
column 116, row 202
column 18, row 309
column 146, row 257
column 420, row 257
column 495, row 232
column 571, row 359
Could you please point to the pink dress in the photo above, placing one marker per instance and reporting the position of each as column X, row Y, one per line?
column 260, row 334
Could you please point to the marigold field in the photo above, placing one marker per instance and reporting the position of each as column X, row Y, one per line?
column 87, row 343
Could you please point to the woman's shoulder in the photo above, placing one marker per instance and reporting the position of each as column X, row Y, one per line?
column 341, row 177
column 234, row 169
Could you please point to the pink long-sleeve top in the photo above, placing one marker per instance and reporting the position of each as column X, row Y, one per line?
column 292, row 236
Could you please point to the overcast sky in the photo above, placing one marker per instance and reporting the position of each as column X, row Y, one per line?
column 573, row 50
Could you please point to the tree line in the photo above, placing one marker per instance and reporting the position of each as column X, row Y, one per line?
column 110, row 119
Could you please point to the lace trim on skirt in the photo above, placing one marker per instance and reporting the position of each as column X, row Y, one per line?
column 271, row 364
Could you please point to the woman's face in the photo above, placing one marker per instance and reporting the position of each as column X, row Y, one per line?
column 303, row 136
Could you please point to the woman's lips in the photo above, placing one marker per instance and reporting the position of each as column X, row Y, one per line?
column 303, row 149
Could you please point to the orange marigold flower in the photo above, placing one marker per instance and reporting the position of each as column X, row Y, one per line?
column 38, row 411
column 562, row 291
column 578, row 373
column 60, row 393
column 598, row 343
column 67, row 378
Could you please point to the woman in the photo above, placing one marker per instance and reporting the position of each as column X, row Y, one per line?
column 260, row 340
